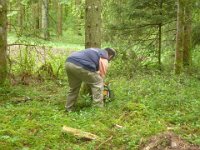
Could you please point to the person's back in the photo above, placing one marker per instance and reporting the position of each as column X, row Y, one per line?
column 88, row 58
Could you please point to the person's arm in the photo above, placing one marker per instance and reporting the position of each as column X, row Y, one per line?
column 103, row 66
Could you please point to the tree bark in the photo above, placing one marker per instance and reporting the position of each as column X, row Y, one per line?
column 45, row 20
column 77, row 2
column 3, row 41
column 187, row 36
column 93, row 23
column 179, row 38
column 36, row 14
column 160, row 37
column 9, row 25
column 78, row 17
column 21, row 16
column 60, row 19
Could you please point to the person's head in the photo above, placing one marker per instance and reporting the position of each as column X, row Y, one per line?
column 111, row 53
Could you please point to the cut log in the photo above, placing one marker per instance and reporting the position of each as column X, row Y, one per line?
column 79, row 134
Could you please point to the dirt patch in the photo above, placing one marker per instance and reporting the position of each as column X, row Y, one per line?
column 166, row 141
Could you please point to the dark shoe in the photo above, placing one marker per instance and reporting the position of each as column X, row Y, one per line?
column 68, row 110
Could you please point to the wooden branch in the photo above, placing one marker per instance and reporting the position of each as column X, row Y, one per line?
column 170, row 30
column 20, row 44
column 135, row 27
column 13, row 10
column 80, row 134
column 110, row 138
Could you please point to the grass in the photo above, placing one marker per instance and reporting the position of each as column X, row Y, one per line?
column 32, row 116
column 143, row 106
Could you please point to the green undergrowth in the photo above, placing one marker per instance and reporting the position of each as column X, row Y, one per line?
column 32, row 116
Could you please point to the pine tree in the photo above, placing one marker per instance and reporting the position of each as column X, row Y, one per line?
column 3, row 41
column 142, row 23
column 179, row 38
column 45, row 19
column 93, row 23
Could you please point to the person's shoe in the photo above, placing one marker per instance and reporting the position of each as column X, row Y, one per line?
column 68, row 110
column 98, row 105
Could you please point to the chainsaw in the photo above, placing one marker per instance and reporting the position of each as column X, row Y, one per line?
column 108, row 94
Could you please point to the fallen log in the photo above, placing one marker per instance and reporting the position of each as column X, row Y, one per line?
column 79, row 133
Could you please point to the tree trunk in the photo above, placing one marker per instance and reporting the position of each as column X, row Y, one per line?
column 79, row 17
column 179, row 38
column 45, row 20
column 3, row 41
column 159, row 44
column 9, row 25
column 60, row 19
column 21, row 17
column 93, row 23
column 36, row 14
column 187, row 36
column 77, row 2
column 40, row 2
column 160, row 37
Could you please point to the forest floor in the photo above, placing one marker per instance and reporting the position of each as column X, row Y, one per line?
column 150, row 111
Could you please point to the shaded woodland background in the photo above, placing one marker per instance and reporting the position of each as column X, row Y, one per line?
column 147, row 34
